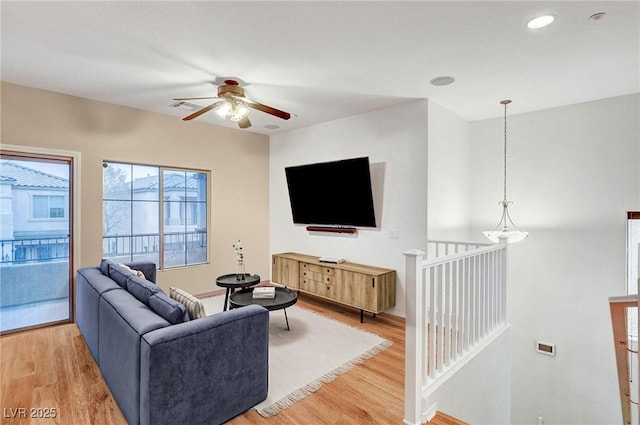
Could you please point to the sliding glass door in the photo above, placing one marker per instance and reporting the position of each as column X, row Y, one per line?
column 35, row 240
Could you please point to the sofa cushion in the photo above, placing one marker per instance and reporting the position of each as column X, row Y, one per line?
column 141, row 288
column 104, row 266
column 194, row 306
column 170, row 310
column 119, row 274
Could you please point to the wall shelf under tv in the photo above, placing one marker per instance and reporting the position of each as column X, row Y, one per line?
column 333, row 229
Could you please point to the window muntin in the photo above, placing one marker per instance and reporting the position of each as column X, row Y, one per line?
column 133, row 200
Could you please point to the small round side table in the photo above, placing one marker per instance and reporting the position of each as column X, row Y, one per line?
column 231, row 283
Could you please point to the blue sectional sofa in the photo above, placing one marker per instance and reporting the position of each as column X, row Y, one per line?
column 162, row 367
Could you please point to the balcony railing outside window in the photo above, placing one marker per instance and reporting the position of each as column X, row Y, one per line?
column 34, row 249
column 146, row 247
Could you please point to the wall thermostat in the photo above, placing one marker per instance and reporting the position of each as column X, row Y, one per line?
column 546, row 348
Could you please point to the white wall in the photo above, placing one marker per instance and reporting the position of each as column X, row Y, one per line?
column 573, row 173
column 395, row 140
column 479, row 392
column 449, row 175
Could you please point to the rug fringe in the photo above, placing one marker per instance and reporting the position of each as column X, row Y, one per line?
column 314, row 386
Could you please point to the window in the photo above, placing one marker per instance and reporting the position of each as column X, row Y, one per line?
column 48, row 206
column 138, row 198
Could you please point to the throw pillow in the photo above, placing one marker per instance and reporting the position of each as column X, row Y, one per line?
column 194, row 306
column 133, row 272
column 171, row 310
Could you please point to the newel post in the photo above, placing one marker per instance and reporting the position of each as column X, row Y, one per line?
column 415, row 336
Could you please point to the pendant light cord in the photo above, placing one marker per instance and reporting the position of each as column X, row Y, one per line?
column 505, row 103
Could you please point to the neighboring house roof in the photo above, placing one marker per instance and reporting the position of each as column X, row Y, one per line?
column 171, row 181
column 29, row 177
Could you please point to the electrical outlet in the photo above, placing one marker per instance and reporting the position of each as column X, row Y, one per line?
column 394, row 234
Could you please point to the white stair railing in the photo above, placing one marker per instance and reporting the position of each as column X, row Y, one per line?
column 626, row 356
column 455, row 305
column 439, row 248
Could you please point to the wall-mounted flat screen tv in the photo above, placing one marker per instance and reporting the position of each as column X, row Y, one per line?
column 336, row 193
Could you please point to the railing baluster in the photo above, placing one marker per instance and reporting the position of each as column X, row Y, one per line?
column 467, row 304
column 439, row 320
column 475, row 316
column 431, row 346
column 454, row 309
column 446, row 326
column 493, row 301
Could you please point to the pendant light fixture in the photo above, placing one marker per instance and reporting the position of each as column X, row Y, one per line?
column 505, row 230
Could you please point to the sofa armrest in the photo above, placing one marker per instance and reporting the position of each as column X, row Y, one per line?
column 148, row 268
column 205, row 371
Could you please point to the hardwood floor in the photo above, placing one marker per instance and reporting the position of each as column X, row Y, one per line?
column 372, row 393
column 52, row 369
column 49, row 377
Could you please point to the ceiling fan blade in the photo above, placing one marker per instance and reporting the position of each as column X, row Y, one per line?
column 244, row 122
column 195, row 98
column 264, row 108
column 200, row 112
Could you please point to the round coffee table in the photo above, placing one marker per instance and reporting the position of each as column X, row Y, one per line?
column 231, row 282
column 284, row 298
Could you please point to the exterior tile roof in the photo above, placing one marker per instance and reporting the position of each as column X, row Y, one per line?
column 11, row 172
column 171, row 181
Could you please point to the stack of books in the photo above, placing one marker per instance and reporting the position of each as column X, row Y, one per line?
column 263, row 292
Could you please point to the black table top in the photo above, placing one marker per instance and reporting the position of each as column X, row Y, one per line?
column 284, row 298
column 230, row 280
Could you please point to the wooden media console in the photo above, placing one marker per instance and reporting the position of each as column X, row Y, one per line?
column 367, row 288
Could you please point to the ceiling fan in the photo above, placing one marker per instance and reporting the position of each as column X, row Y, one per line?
column 232, row 105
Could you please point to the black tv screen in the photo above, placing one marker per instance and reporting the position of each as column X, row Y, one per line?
column 336, row 193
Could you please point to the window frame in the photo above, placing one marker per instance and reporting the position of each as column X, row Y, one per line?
column 159, row 243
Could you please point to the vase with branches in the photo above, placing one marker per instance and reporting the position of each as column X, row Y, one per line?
column 240, row 275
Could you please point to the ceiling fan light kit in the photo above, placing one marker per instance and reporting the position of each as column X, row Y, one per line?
column 232, row 105
column 231, row 110
column 506, row 231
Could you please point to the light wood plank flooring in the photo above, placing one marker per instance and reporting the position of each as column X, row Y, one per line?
column 52, row 368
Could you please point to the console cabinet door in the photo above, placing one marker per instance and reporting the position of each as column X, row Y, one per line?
column 285, row 272
column 356, row 289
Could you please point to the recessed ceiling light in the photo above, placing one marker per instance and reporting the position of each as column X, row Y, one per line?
column 444, row 80
column 272, row 126
column 597, row 16
column 540, row 21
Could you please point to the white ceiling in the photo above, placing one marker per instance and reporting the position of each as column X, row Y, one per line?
column 324, row 60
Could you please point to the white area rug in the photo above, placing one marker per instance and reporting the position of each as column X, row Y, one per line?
column 312, row 353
